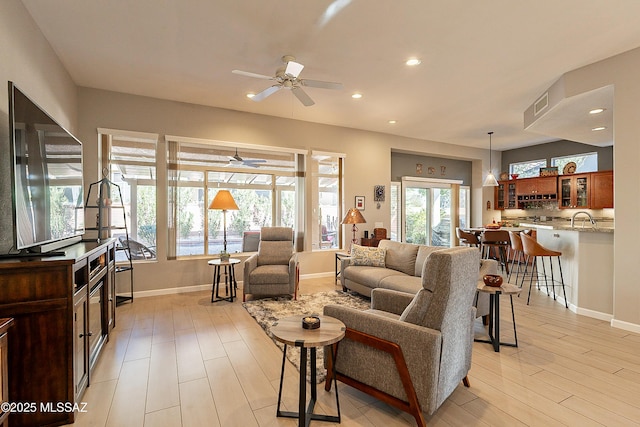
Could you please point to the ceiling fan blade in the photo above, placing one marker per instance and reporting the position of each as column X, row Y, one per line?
column 302, row 96
column 268, row 91
column 321, row 84
column 254, row 161
column 293, row 69
column 254, row 75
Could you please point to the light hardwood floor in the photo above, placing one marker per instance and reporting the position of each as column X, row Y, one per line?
column 179, row 360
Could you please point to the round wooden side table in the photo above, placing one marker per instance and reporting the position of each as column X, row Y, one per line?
column 289, row 331
column 494, row 312
column 229, row 279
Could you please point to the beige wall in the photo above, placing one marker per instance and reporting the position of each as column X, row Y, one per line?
column 368, row 162
column 622, row 71
column 26, row 59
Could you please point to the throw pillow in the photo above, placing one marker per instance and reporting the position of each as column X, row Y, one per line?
column 364, row 255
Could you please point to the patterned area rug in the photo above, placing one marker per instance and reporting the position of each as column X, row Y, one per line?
column 267, row 311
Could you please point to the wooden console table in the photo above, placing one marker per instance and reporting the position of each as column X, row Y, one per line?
column 63, row 309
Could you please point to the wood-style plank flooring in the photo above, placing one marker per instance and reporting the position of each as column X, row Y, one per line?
column 178, row 360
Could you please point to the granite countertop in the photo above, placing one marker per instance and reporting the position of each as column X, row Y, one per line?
column 566, row 225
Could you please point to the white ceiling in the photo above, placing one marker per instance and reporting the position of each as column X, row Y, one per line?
column 483, row 62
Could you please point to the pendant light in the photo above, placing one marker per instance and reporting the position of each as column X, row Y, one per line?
column 490, row 180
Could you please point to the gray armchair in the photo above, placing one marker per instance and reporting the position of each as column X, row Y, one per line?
column 412, row 351
column 274, row 269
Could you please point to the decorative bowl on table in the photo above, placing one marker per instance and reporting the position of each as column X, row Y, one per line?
column 311, row 322
column 492, row 226
column 493, row 280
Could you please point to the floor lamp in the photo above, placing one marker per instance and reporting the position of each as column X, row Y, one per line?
column 224, row 202
column 354, row 217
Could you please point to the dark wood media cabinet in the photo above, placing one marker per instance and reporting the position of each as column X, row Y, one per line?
column 63, row 309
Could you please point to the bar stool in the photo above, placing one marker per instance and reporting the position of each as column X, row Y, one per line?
column 517, row 255
column 498, row 241
column 534, row 249
column 466, row 238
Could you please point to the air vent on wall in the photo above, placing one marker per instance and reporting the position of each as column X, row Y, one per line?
column 541, row 104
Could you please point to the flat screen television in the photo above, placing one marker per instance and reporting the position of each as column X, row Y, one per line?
column 47, row 178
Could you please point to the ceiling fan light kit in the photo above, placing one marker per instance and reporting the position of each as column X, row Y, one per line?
column 287, row 77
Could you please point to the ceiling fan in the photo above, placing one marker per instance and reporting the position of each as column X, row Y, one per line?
column 287, row 77
column 236, row 160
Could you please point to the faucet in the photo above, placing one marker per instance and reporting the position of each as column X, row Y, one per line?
column 573, row 217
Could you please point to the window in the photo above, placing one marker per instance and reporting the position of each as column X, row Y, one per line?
column 132, row 160
column 327, row 199
column 264, row 185
column 396, row 214
column 527, row 169
column 587, row 162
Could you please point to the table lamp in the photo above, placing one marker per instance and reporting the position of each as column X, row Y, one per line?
column 224, row 202
column 354, row 217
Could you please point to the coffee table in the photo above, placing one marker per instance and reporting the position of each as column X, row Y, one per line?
column 494, row 313
column 229, row 279
column 289, row 331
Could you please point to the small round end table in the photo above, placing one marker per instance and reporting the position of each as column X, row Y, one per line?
column 289, row 331
column 229, row 279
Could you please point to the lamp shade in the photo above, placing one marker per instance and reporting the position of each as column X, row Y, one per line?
column 490, row 180
column 353, row 216
column 224, row 201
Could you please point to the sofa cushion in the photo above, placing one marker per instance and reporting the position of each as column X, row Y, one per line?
column 402, row 282
column 400, row 256
column 423, row 253
column 367, row 276
column 370, row 256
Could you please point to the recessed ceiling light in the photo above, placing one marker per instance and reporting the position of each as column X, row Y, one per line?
column 250, row 95
column 599, row 128
column 596, row 111
column 356, row 96
column 413, row 61
column 392, row 122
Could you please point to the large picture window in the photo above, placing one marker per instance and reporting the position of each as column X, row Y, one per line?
column 264, row 185
column 132, row 166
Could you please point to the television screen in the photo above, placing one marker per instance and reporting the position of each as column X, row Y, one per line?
column 47, row 176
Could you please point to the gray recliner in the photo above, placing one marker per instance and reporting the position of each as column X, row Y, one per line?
column 413, row 351
column 274, row 270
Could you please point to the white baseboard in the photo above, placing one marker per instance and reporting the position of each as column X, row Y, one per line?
column 631, row 327
column 594, row 314
column 207, row 287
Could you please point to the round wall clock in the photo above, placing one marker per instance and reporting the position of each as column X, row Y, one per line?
column 569, row 168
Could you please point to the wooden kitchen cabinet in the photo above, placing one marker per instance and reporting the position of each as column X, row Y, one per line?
column 505, row 195
column 601, row 190
column 574, row 191
column 536, row 191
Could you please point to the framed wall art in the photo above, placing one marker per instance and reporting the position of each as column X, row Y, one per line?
column 378, row 193
column 360, row 203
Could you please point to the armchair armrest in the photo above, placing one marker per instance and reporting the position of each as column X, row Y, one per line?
column 389, row 300
column 405, row 334
column 250, row 264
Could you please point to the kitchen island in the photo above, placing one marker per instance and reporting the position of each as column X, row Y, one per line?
column 587, row 265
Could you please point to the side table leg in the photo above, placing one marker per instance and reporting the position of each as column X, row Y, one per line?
column 302, row 399
column 496, row 342
column 284, row 358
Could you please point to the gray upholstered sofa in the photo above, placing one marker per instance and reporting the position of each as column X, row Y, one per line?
column 402, row 271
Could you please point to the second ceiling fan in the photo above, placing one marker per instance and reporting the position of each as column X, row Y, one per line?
column 287, row 77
